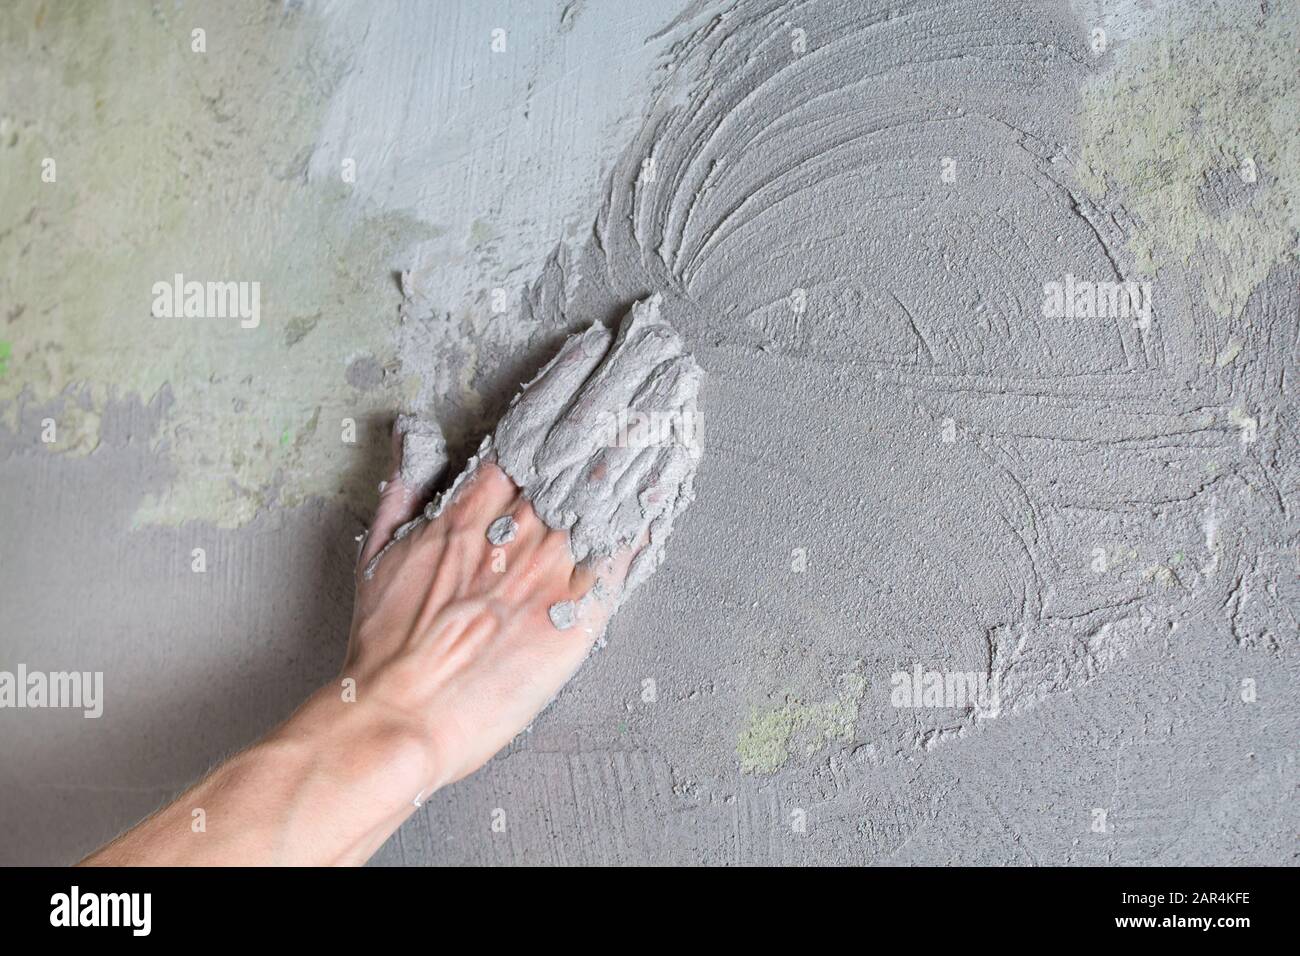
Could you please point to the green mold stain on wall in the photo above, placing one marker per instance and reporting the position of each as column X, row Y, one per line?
column 1198, row 133
column 169, row 161
column 771, row 736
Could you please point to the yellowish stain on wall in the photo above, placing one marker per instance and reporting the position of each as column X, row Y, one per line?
column 1199, row 135
column 168, row 161
column 772, row 736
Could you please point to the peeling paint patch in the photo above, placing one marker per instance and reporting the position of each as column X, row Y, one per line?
column 1198, row 132
column 206, row 179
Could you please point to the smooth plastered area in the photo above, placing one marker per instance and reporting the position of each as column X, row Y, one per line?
column 992, row 556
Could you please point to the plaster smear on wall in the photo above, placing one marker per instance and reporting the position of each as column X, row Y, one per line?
column 328, row 149
column 853, row 211
column 506, row 170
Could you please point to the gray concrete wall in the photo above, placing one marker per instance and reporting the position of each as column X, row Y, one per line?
column 855, row 213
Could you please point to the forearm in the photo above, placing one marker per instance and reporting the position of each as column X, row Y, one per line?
column 327, row 787
column 453, row 652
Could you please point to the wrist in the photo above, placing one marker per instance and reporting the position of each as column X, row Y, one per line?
column 364, row 745
column 360, row 768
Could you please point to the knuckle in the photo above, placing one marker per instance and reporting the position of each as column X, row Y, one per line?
column 555, row 545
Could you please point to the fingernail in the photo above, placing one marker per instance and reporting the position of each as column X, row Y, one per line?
column 563, row 615
column 503, row 530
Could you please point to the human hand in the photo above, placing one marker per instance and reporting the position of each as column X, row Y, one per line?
column 452, row 635
column 458, row 642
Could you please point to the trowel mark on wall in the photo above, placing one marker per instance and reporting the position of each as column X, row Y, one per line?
column 855, row 231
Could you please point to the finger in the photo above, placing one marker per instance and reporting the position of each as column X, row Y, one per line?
column 485, row 495
column 397, row 505
column 530, row 530
column 595, row 589
column 586, row 576
column 532, row 568
column 515, row 535
column 610, row 572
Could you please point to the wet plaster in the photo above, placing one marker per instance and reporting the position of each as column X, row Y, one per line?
column 850, row 212
column 852, row 217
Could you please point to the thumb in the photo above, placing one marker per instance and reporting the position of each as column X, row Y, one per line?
column 399, row 501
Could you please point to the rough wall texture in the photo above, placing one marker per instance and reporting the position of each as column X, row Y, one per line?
column 993, row 558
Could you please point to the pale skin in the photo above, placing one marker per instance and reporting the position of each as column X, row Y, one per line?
column 451, row 655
